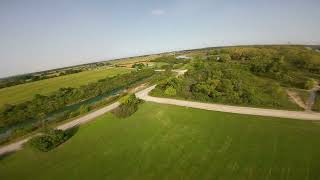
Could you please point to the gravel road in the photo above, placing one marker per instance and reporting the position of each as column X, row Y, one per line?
column 84, row 119
column 231, row 109
column 143, row 94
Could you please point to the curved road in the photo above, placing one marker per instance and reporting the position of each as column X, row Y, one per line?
column 231, row 109
column 84, row 119
column 143, row 94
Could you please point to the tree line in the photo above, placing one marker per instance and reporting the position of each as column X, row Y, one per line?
column 40, row 106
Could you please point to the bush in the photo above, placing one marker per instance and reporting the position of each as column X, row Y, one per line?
column 41, row 143
column 129, row 99
column 74, row 114
column 48, row 141
column 225, row 58
column 129, row 105
column 175, row 83
column 84, row 109
column 311, row 83
column 170, row 91
column 138, row 66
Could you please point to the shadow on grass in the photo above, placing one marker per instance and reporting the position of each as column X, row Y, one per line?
column 69, row 133
column 72, row 131
column 6, row 155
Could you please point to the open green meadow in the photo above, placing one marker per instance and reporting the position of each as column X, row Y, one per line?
column 24, row 92
column 170, row 142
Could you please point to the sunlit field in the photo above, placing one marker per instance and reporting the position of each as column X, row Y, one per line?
column 170, row 142
column 24, row 92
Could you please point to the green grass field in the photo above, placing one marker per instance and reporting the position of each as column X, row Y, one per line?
column 24, row 92
column 170, row 142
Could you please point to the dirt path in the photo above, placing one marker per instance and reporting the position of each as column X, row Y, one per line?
column 312, row 97
column 231, row 109
column 307, row 106
column 82, row 120
column 180, row 72
column 87, row 118
column 296, row 99
column 143, row 94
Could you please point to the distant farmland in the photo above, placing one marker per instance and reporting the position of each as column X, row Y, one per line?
column 170, row 142
column 24, row 92
column 132, row 60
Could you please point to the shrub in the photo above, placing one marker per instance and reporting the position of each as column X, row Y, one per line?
column 48, row 141
column 74, row 114
column 84, row 109
column 42, row 143
column 225, row 58
column 129, row 99
column 171, row 82
column 170, row 91
column 138, row 66
column 310, row 84
column 129, row 105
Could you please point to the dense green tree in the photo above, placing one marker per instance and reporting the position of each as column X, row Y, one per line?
column 170, row 91
column 128, row 106
column 49, row 140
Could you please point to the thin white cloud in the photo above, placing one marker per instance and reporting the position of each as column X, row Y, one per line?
column 158, row 12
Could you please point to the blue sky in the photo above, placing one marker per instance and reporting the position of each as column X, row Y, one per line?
column 43, row 34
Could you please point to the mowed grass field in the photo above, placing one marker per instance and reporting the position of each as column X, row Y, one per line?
column 24, row 92
column 170, row 142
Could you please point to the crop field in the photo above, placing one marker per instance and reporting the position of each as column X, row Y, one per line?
column 170, row 142
column 24, row 92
